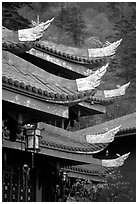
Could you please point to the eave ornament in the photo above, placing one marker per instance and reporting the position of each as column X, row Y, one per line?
column 32, row 34
column 106, row 137
column 115, row 162
column 104, row 51
column 92, row 81
column 116, row 92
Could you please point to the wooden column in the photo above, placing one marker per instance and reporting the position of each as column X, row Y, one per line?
column 38, row 189
column 62, row 123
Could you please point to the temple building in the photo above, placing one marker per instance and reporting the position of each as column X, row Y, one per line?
column 45, row 88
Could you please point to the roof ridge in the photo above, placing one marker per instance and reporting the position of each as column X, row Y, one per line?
column 44, row 94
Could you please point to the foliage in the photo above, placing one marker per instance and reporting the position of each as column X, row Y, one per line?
column 126, row 28
column 9, row 11
column 114, row 190
column 70, row 20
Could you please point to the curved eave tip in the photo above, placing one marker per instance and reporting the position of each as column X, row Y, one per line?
column 120, row 40
column 105, row 66
column 50, row 21
column 128, row 84
column 118, row 162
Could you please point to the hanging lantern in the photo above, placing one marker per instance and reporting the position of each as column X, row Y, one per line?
column 33, row 136
column 64, row 177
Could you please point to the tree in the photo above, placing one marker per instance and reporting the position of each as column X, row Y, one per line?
column 123, row 65
column 114, row 190
column 70, row 20
column 125, row 28
column 11, row 18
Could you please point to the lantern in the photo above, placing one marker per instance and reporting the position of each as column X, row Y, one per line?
column 33, row 136
column 64, row 177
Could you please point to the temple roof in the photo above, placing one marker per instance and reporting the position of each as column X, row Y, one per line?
column 58, row 142
column 21, row 74
column 78, row 55
column 61, row 140
column 55, row 143
column 88, row 171
column 127, row 122
column 25, row 76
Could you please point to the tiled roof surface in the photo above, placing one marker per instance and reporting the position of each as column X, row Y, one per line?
column 91, row 169
column 19, row 73
column 64, row 143
column 99, row 97
column 22, row 74
column 127, row 122
column 61, row 143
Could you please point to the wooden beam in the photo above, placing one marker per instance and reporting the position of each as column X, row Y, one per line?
column 96, row 107
column 84, row 158
column 19, row 99
column 124, row 134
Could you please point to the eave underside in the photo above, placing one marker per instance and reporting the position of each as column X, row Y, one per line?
column 84, row 158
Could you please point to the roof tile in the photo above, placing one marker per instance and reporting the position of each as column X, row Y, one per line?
column 89, row 169
column 69, row 144
column 35, row 78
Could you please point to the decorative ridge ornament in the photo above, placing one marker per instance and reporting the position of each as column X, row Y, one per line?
column 106, row 137
column 115, row 162
column 32, row 34
column 92, row 81
column 104, row 51
column 116, row 92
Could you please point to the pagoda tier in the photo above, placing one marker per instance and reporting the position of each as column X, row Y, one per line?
column 21, row 74
column 88, row 171
column 95, row 172
column 24, row 77
column 11, row 42
column 61, row 143
column 58, row 139
column 78, row 55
